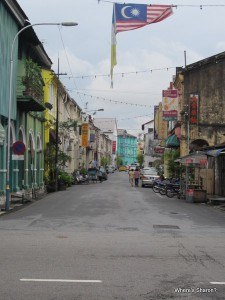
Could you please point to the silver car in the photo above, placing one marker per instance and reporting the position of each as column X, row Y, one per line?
column 148, row 177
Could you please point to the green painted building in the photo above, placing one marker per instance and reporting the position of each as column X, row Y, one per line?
column 27, row 112
column 126, row 147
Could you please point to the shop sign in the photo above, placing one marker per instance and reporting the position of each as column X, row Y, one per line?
column 170, row 104
column 84, row 135
column 113, row 147
column 189, row 161
column 193, row 109
column 92, row 136
column 156, row 117
column 159, row 150
column 203, row 162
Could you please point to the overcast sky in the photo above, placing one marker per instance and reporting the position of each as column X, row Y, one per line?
column 84, row 50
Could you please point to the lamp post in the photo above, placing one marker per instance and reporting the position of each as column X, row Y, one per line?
column 7, row 203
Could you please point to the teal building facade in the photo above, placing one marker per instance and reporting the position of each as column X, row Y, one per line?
column 127, row 147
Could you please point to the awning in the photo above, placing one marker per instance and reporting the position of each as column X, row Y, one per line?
column 195, row 158
column 172, row 141
column 216, row 152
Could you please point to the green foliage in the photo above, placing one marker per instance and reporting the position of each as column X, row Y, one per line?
column 70, row 124
column 104, row 161
column 83, row 171
column 49, row 155
column 174, row 168
column 66, row 178
column 119, row 161
column 158, row 164
column 140, row 159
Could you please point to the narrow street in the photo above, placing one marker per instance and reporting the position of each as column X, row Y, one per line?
column 111, row 241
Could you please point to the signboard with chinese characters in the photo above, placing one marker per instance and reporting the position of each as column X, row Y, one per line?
column 84, row 135
column 170, row 104
column 156, row 121
column 92, row 135
column 193, row 109
column 113, row 147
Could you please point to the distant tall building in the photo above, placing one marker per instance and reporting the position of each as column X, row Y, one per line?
column 127, row 147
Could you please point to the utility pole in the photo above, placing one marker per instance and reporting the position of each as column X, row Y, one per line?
column 57, row 131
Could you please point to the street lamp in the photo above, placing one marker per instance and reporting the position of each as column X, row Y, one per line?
column 7, row 203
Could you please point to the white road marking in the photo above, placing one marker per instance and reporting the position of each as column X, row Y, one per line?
column 159, row 195
column 60, row 280
column 217, row 282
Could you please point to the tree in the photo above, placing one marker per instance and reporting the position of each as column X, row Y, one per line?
column 119, row 161
column 104, row 161
column 140, row 159
column 174, row 168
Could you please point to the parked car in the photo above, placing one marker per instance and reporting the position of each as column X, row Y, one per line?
column 150, row 169
column 148, row 177
column 122, row 168
column 110, row 170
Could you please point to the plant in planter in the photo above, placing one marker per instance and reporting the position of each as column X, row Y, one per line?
column 65, row 179
column 32, row 80
column 50, row 167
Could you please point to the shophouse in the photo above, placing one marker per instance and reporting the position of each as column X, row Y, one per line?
column 203, row 114
column 108, row 126
column 27, row 101
column 127, row 147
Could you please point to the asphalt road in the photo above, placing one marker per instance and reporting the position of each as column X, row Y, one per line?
column 111, row 241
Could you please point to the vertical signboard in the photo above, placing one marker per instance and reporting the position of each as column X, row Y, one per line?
column 170, row 104
column 84, row 135
column 193, row 109
column 162, row 125
column 114, row 147
column 92, row 135
column 156, row 121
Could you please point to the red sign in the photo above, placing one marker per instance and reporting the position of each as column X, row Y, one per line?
column 114, row 147
column 193, row 111
column 19, row 148
column 159, row 150
column 189, row 161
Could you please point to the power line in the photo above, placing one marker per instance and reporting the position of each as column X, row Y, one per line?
column 122, row 74
column 69, row 65
column 174, row 5
column 114, row 101
column 117, row 92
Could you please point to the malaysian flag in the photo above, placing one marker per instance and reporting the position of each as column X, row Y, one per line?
column 131, row 16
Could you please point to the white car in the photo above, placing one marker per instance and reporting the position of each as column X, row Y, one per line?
column 148, row 176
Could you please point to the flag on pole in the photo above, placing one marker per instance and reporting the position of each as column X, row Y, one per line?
column 132, row 16
column 113, row 46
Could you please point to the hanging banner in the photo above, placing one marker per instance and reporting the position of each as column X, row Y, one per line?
column 170, row 105
column 92, row 135
column 114, row 147
column 193, row 109
column 156, row 122
column 84, row 135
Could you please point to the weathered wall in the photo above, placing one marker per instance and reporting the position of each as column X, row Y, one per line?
column 208, row 82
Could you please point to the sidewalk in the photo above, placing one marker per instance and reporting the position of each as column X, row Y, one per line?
column 19, row 200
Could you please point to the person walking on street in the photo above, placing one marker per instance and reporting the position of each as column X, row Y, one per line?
column 136, row 176
column 131, row 177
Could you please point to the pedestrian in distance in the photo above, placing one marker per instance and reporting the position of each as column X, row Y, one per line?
column 131, row 177
column 136, row 176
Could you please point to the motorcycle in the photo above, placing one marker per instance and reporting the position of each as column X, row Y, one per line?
column 80, row 178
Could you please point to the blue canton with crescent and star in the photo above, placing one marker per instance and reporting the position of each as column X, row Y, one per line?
column 129, row 12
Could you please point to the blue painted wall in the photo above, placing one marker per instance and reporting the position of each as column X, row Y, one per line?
column 127, row 148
